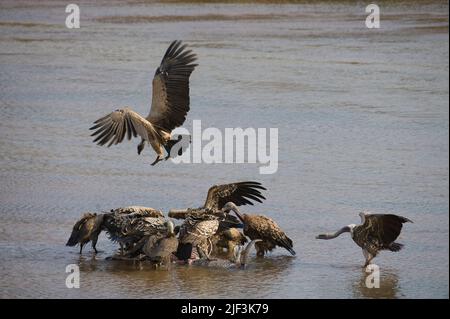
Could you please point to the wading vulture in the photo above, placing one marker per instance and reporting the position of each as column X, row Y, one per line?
column 87, row 229
column 264, row 228
column 376, row 232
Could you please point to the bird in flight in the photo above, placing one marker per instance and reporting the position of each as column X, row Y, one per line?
column 170, row 105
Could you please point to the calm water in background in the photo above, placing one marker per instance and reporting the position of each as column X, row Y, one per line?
column 363, row 125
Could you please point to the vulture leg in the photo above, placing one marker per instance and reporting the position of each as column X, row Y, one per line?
column 94, row 243
column 138, row 246
column 230, row 248
column 203, row 254
column 368, row 257
column 81, row 248
column 159, row 150
column 259, row 249
column 158, row 159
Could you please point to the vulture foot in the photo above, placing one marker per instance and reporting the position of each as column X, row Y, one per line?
column 158, row 159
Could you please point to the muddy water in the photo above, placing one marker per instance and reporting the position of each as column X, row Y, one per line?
column 363, row 125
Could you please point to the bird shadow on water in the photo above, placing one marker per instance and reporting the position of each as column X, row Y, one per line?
column 364, row 284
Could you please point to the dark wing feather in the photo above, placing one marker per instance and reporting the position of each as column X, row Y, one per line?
column 170, row 97
column 241, row 193
column 385, row 227
column 113, row 127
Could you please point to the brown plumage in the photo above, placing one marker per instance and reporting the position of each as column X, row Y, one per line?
column 227, row 239
column 87, row 229
column 131, row 230
column 377, row 232
column 242, row 193
column 138, row 210
column 159, row 248
column 264, row 228
column 170, row 105
column 196, row 232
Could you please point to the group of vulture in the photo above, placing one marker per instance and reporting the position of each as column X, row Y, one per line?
column 208, row 235
column 144, row 233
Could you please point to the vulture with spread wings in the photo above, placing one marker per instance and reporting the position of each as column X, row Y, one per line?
column 210, row 220
column 170, row 105
column 240, row 193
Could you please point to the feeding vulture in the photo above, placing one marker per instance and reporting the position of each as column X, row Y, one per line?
column 241, row 193
column 87, row 229
column 264, row 228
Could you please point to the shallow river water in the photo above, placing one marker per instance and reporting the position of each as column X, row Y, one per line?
column 362, row 117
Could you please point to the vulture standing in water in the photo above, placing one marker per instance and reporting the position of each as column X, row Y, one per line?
column 159, row 248
column 196, row 232
column 241, row 193
column 132, row 230
column 87, row 229
column 376, row 232
column 170, row 104
column 264, row 228
column 228, row 239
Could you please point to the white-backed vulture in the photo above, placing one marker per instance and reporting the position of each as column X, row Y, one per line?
column 227, row 239
column 161, row 247
column 377, row 232
column 264, row 228
column 170, row 104
column 196, row 232
column 132, row 230
column 242, row 193
column 87, row 229
column 139, row 211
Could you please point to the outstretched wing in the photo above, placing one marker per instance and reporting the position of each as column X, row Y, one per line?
column 385, row 227
column 170, row 98
column 241, row 193
column 113, row 127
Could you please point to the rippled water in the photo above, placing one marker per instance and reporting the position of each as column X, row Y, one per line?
column 363, row 124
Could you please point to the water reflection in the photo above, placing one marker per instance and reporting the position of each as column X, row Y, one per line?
column 389, row 285
column 234, row 283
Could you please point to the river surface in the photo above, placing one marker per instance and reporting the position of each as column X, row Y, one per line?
column 363, row 124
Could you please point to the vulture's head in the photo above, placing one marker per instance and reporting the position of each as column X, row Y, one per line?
column 170, row 228
column 228, row 207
